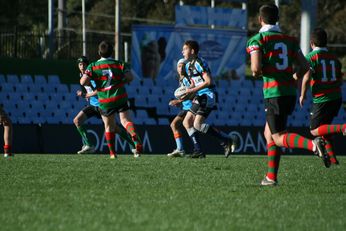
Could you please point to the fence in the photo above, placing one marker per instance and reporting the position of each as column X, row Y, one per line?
column 66, row 45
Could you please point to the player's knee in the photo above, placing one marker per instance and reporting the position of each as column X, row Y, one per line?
column 77, row 121
column 174, row 125
column 278, row 139
column 268, row 137
column 6, row 122
column 314, row 132
column 186, row 124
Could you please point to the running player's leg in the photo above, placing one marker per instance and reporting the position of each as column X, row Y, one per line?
column 273, row 153
column 8, row 133
column 178, row 137
column 207, row 102
column 320, row 124
column 191, row 131
column 277, row 113
column 109, row 124
column 126, row 121
column 79, row 120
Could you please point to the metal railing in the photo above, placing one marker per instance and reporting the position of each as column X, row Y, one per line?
column 66, row 45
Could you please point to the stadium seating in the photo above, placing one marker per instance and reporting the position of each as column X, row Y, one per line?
column 45, row 99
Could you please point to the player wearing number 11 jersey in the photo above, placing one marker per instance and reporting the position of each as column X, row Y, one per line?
column 325, row 79
column 272, row 56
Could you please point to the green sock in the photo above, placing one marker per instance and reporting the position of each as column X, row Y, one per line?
column 125, row 136
column 82, row 131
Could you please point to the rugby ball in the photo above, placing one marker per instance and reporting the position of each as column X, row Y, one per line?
column 180, row 92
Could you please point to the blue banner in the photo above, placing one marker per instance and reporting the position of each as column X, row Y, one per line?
column 207, row 16
column 156, row 50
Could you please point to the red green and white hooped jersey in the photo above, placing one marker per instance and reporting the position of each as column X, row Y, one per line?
column 109, row 76
column 278, row 54
column 326, row 75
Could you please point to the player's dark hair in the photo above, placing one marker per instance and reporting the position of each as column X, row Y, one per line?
column 319, row 37
column 105, row 49
column 192, row 44
column 83, row 59
column 269, row 13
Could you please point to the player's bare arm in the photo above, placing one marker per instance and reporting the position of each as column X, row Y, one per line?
column 256, row 64
column 303, row 66
column 175, row 102
column 85, row 80
column 305, row 85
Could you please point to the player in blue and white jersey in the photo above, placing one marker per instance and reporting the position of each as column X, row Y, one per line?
column 91, row 110
column 204, row 101
column 178, row 119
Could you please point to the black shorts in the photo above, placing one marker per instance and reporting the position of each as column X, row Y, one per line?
column 91, row 111
column 324, row 113
column 111, row 111
column 3, row 116
column 277, row 111
column 182, row 113
column 203, row 105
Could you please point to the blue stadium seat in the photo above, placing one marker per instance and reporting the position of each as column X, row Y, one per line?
column 52, row 120
column 71, row 97
column 50, row 88
column 52, row 106
column 131, row 90
column 2, row 79
column 53, row 79
column 65, row 105
column 21, row 88
column 143, row 91
column 26, row 79
column 147, row 83
column 40, row 79
column 62, row 88
column 141, row 114
column 15, row 97
column 163, row 110
column 236, row 118
column 7, row 87
column 135, row 83
column 141, row 101
column 12, row 79
column 36, row 88
column 150, row 121
column 163, row 121
column 75, row 87
column 155, row 90
column 28, row 97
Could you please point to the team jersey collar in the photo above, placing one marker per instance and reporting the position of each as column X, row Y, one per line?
column 268, row 27
column 102, row 59
column 320, row 49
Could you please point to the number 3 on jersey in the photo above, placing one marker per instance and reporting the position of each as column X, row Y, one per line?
column 283, row 55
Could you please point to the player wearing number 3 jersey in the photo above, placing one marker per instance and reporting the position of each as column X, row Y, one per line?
column 272, row 56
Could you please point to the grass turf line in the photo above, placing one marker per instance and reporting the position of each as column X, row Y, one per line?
column 73, row 192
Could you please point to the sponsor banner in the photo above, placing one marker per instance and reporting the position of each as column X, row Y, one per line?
column 156, row 140
column 207, row 16
column 156, row 50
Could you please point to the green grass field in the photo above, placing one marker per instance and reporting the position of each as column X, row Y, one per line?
column 92, row 192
